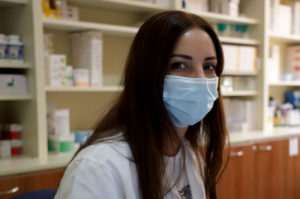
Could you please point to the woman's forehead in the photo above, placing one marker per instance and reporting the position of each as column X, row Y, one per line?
column 195, row 41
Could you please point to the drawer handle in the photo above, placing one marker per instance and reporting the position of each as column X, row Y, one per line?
column 236, row 154
column 13, row 190
column 265, row 148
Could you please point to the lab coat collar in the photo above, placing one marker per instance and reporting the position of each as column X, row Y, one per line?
column 193, row 174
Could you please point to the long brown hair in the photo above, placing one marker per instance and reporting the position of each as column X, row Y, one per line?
column 140, row 112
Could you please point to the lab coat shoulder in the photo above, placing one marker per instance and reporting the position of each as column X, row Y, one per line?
column 103, row 170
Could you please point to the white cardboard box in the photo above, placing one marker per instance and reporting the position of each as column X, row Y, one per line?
column 87, row 52
column 13, row 84
column 231, row 58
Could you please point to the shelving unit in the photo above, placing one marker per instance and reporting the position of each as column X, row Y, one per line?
column 15, row 97
column 65, row 25
column 239, row 94
column 215, row 17
column 288, row 39
column 5, row 3
column 239, row 41
column 84, row 89
column 117, row 20
column 132, row 6
column 285, row 83
column 239, row 73
column 12, row 65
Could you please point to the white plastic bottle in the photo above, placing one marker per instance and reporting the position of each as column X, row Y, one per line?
column 3, row 48
column 15, row 49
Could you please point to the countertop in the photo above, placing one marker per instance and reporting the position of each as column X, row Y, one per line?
column 31, row 164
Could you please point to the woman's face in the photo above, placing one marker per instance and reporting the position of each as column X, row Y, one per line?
column 194, row 56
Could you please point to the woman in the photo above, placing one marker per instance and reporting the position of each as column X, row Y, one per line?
column 165, row 135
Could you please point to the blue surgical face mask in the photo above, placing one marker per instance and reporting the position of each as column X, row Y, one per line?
column 188, row 100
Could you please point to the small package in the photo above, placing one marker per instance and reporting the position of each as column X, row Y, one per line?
column 5, row 149
column 86, row 53
column 197, row 5
column 13, row 84
column 56, row 66
column 16, row 147
column 48, row 44
column 61, row 143
column 81, row 77
column 81, row 136
column 62, row 121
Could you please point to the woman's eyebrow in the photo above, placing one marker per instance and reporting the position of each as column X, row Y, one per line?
column 182, row 56
column 209, row 58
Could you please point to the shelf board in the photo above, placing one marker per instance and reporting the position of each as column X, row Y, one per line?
column 4, row 3
column 285, row 83
column 239, row 93
column 240, row 73
column 15, row 65
column 84, row 89
column 132, row 5
column 242, row 41
column 15, row 97
column 216, row 17
column 68, row 25
column 288, row 38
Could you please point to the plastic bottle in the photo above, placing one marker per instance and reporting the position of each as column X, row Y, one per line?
column 15, row 49
column 3, row 48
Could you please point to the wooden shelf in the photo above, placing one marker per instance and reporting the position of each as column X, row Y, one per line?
column 240, row 73
column 4, row 3
column 239, row 93
column 285, row 83
column 67, row 25
column 84, row 89
column 15, row 65
column 216, row 17
column 242, row 41
column 288, row 38
column 15, row 97
column 126, row 5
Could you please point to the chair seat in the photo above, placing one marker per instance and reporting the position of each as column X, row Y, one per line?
column 43, row 194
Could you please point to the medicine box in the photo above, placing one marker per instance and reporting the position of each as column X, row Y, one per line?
column 57, row 71
column 13, row 84
column 61, row 143
column 87, row 52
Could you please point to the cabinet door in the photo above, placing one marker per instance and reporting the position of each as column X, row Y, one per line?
column 270, row 166
column 292, row 171
column 30, row 182
column 238, row 179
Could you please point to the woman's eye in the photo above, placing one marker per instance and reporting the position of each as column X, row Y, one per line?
column 178, row 65
column 209, row 67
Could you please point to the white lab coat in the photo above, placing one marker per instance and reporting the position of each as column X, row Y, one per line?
column 103, row 171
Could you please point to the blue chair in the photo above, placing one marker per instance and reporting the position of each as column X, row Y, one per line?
column 43, row 194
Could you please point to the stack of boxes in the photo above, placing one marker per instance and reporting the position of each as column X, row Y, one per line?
column 60, row 139
column 57, row 71
column 285, row 19
column 228, row 7
column 10, row 140
column 196, row 5
column 239, row 58
column 293, row 61
column 59, row 9
column 86, row 54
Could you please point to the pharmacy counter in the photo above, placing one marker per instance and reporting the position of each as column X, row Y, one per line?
column 240, row 138
column 27, row 164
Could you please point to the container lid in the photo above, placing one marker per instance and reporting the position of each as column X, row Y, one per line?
column 14, row 39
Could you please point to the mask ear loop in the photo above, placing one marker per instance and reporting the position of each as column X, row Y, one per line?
column 211, row 94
